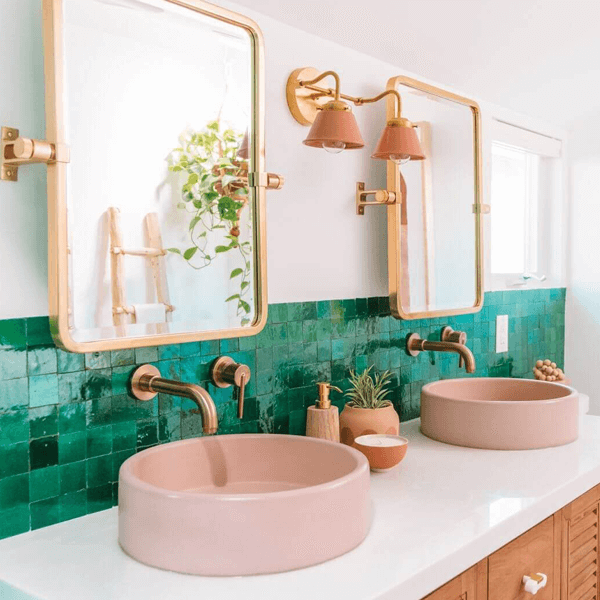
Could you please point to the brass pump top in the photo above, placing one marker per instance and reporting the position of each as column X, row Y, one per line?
column 324, row 388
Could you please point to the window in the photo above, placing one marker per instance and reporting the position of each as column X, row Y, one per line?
column 526, row 208
column 515, row 203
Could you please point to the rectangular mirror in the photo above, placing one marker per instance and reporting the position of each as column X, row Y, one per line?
column 157, row 222
column 435, row 245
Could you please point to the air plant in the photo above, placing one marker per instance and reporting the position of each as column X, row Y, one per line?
column 369, row 392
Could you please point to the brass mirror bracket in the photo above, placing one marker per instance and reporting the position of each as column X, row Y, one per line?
column 270, row 181
column 225, row 372
column 382, row 198
column 18, row 151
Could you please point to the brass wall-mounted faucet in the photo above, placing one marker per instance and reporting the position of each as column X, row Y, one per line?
column 451, row 341
column 146, row 382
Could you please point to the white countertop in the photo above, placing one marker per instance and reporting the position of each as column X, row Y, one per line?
column 444, row 509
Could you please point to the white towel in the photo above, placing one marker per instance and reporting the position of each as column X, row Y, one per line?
column 150, row 313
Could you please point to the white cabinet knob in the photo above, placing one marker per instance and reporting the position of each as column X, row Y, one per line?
column 535, row 582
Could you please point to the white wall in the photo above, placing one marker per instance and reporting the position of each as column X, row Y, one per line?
column 583, row 300
column 318, row 247
column 23, row 214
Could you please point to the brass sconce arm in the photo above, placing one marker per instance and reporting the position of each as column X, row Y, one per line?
column 382, row 198
column 395, row 93
column 324, row 91
column 18, row 151
column 356, row 100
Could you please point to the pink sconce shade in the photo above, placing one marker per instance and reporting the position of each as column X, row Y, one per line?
column 243, row 151
column 398, row 142
column 335, row 129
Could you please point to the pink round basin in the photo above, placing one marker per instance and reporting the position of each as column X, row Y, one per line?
column 500, row 413
column 243, row 504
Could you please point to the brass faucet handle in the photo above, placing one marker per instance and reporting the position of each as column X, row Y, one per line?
column 449, row 335
column 241, row 396
column 458, row 337
column 225, row 372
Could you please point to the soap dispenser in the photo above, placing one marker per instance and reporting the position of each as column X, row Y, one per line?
column 323, row 419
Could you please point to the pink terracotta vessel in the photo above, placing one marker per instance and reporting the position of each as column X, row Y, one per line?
column 243, row 504
column 500, row 413
column 364, row 421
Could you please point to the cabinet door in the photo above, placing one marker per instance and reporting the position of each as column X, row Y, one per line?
column 470, row 585
column 536, row 551
column 580, row 572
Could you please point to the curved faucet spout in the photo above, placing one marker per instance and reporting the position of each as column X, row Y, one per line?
column 460, row 349
column 194, row 392
column 415, row 344
column 146, row 382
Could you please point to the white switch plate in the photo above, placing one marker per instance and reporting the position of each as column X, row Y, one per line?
column 502, row 333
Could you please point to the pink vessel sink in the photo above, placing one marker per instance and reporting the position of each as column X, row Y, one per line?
column 243, row 504
column 500, row 413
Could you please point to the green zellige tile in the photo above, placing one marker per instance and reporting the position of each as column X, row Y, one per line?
column 43, row 390
column 44, row 513
column 14, row 520
column 73, row 505
column 38, row 332
column 13, row 363
column 71, row 417
column 42, row 360
column 43, row 452
column 43, row 483
column 99, row 471
column 14, row 459
column 14, row 394
column 68, row 362
column 99, row 441
column 72, row 447
column 13, row 333
column 72, row 477
column 43, row 421
column 14, row 491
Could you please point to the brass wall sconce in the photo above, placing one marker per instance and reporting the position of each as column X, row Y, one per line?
column 334, row 127
column 18, row 151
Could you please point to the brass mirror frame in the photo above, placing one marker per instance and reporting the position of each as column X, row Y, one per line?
column 58, row 251
column 394, row 211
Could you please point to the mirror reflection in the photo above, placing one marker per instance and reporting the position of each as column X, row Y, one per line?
column 438, row 237
column 162, row 224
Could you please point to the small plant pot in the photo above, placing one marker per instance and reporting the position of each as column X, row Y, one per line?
column 355, row 422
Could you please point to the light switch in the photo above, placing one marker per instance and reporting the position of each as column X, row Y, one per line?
column 502, row 333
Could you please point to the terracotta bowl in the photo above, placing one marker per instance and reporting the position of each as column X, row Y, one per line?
column 383, row 451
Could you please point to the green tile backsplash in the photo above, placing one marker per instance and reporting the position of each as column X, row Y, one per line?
column 67, row 422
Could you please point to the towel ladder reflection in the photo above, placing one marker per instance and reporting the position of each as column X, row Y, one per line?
column 123, row 312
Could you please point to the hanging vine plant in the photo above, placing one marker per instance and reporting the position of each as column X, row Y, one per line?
column 214, row 196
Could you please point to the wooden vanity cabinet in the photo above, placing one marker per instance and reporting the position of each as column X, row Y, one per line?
column 580, row 548
column 564, row 547
column 535, row 551
column 470, row 585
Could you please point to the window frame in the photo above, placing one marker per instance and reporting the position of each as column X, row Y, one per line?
column 551, row 208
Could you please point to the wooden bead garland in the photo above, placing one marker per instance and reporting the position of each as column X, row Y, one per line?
column 546, row 370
